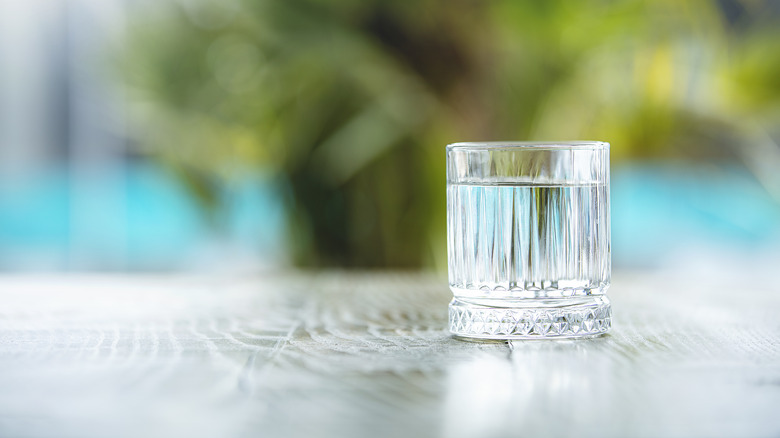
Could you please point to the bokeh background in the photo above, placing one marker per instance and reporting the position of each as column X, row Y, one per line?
column 141, row 135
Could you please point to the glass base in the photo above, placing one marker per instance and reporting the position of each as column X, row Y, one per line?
column 532, row 319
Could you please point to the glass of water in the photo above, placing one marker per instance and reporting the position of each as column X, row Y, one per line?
column 528, row 239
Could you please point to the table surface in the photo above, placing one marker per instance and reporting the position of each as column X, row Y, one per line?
column 368, row 354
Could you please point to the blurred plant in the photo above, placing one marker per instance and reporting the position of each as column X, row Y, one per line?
column 351, row 102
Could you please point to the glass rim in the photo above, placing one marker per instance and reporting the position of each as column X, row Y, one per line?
column 536, row 145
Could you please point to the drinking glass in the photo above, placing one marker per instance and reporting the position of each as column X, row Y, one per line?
column 528, row 239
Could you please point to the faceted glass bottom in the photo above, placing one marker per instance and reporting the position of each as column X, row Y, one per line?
column 534, row 319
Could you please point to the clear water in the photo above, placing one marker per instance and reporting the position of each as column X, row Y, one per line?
column 528, row 241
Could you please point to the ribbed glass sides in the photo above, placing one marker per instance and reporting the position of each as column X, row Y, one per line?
column 528, row 232
column 528, row 241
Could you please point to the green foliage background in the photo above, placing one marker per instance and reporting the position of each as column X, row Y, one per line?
column 350, row 103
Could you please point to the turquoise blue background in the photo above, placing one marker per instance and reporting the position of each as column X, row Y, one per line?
column 144, row 218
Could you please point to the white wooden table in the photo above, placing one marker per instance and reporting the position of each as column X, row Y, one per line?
column 368, row 355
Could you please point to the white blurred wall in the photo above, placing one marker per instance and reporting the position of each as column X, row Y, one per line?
column 33, row 84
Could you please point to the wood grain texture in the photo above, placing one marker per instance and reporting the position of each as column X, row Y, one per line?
column 368, row 354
